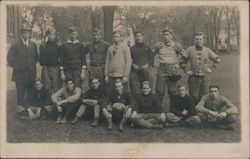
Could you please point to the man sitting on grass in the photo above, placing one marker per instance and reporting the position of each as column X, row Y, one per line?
column 37, row 104
column 91, row 102
column 119, row 108
column 148, row 111
column 215, row 109
column 181, row 108
column 65, row 100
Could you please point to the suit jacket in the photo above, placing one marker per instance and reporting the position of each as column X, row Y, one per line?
column 23, row 61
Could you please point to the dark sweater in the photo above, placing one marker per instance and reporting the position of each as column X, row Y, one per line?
column 141, row 54
column 97, row 52
column 38, row 98
column 125, row 98
column 147, row 103
column 73, row 55
column 49, row 54
column 97, row 94
column 178, row 104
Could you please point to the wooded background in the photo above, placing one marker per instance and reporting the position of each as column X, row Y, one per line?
column 221, row 25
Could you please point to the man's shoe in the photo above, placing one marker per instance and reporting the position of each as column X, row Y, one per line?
column 157, row 126
column 58, row 120
column 171, row 125
column 121, row 128
column 95, row 123
column 226, row 126
column 110, row 127
column 74, row 121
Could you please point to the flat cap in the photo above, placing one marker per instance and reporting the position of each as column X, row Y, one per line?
column 72, row 29
column 137, row 32
column 167, row 29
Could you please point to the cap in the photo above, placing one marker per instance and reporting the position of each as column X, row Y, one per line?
column 96, row 30
column 199, row 33
column 167, row 29
column 72, row 29
column 25, row 28
column 137, row 32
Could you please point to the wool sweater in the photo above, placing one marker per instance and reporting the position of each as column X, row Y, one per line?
column 73, row 55
column 141, row 54
column 207, row 103
column 147, row 103
column 118, row 61
column 38, row 98
column 97, row 52
column 49, row 54
column 178, row 104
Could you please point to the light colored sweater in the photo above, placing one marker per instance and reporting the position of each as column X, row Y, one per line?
column 118, row 61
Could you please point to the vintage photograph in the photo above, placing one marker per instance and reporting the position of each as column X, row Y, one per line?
column 123, row 74
column 80, row 74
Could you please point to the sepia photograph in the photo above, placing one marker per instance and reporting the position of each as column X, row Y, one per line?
column 125, row 73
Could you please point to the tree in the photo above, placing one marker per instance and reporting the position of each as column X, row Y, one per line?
column 236, row 18
column 229, row 18
column 108, row 18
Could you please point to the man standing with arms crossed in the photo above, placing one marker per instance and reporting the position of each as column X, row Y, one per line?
column 22, row 57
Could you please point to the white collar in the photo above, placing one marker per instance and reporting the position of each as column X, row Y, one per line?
column 73, row 42
column 25, row 42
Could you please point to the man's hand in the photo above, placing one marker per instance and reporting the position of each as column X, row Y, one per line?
column 31, row 114
column 86, row 101
column 213, row 113
column 118, row 106
column 59, row 103
column 163, row 117
column 59, row 108
column 190, row 72
column 222, row 115
column 94, row 102
column 128, row 113
column 133, row 115
column 38, row 113
column 107, row 79
column 125, row 79
column 144, row 66
column 63, row 78
column 83, row 75
column 136, row 67
column 184, row 112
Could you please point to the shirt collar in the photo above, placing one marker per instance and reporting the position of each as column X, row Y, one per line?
column 25, row 42
column 199, row 48
column 171, row 43
column 73, row 42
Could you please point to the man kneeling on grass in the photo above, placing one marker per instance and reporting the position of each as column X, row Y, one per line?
column 215, row 109
column 181, row 108
column 37, row 104
column 65, row 100
column 119, row 108
column 91, row 101
column 148, row 111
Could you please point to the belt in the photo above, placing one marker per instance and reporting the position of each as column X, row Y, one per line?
column 96, row 64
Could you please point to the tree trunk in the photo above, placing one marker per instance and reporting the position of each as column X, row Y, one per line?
column 108, row 17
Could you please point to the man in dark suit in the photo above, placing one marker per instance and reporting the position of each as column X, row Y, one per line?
column 22, row 57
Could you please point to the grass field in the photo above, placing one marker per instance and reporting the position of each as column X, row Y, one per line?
column 227, row 75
